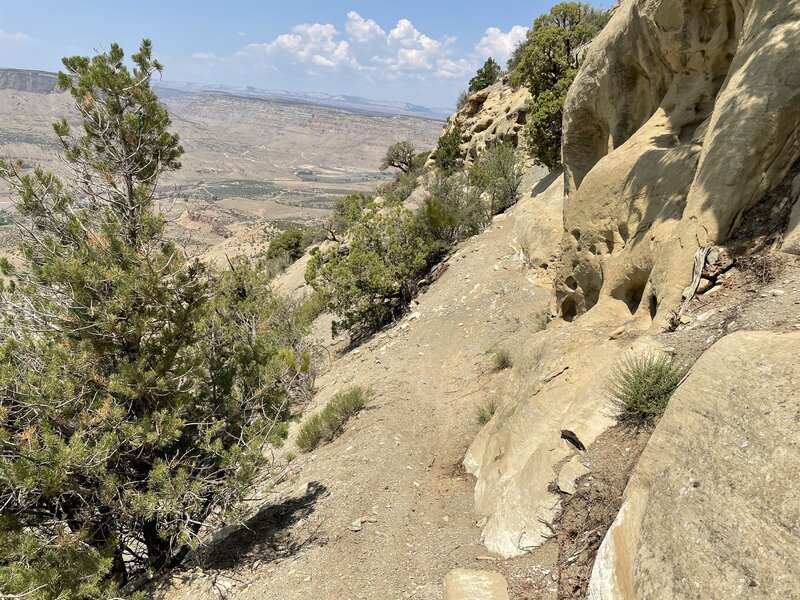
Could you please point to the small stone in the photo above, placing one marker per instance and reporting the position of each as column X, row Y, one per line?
column 704, row 286
column 356, row 525
column 778, row 292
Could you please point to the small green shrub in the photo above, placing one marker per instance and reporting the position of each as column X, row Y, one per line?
column 485, row 410
column 448, row 152
column 641, row 384
column 454, row 210
column 327, row 424
column 501, row 359
column 498, row 174
column 463, row 100
column 287, row 243
column 398, row 189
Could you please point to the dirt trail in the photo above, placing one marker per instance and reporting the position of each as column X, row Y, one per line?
column 397, row 467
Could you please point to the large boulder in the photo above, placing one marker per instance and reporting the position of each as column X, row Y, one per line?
column 712, row 509
column 684, row 115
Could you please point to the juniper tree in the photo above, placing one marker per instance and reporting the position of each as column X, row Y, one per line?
column 488, row 74
column 137, row 386
column 400, row 156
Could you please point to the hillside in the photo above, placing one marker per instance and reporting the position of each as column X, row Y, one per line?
column 673, row 230
column 589, row 391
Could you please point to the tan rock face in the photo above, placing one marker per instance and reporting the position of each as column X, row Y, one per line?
column 463, row 584
column 683, row 116
column 711, row 510
column 492, row 116
column 522, row 450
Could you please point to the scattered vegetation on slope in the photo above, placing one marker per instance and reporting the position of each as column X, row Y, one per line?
column 385, row 249
column 641, row 384
column 485, row 410
column 502, row 359
column 327, row 424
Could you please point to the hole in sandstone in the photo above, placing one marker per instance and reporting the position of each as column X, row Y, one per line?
column 576, row 233
column 573, row 439
column 653, row 306
column 568, row 309
column 623, row 232
column 632, row 290
column 571, row 283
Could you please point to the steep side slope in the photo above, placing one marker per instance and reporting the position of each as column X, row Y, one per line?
column 396, row 469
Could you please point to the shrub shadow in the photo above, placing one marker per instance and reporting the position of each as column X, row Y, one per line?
column 265, row 536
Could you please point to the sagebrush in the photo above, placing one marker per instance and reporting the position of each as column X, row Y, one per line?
column 641, row 385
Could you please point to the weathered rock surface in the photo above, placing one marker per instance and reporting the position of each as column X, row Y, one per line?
column 791, row 238
column 492, row 116
column 521, row 452
column 684, row 115
column 711, row 510
column 463, row 584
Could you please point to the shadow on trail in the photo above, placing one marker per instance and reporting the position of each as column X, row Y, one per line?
column 265, row 536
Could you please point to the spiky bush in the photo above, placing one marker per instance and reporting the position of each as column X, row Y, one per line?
column 641, row 385
column 502, row 359
column 327, row 424
column 485, row 410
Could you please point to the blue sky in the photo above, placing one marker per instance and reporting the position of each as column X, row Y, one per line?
column 416, row 51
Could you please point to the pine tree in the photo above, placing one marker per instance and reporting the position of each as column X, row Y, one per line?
column 488, row 74
column 137, row 387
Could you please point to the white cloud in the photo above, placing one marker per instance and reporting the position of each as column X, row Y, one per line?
column 401, row 52
column 241, row 33
column 362, row 30
column 15, row 38
column 500, row 45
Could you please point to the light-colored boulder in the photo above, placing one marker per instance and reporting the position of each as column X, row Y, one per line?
column 683, row 116
column 463, row 584
column 712, row 509
column 791, row 237
column 539, row 224
column 516, row 455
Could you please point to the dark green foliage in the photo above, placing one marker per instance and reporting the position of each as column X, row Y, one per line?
column 346, row 212
column 641, row 384
column 370, row 283
column 498, row 174
column 448, row 153
column 453, row 212
column 327, row 424
column 488, row 74
column 138, row 388
column 288, row 243
column 546, row 62
column 543, row 129
column 400, row 156
column 418, row 163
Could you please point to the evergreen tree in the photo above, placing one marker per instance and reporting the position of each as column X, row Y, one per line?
column 546, row 62
column 400, row 156
column 448, row 151
column 488, row 74
column 137, row 387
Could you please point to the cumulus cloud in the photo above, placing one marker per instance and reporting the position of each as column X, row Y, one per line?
column 395, row 53
column 14, row 38
column 498, row 44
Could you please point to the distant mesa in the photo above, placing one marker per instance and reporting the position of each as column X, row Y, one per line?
column 44, row 82
column 26, row 80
